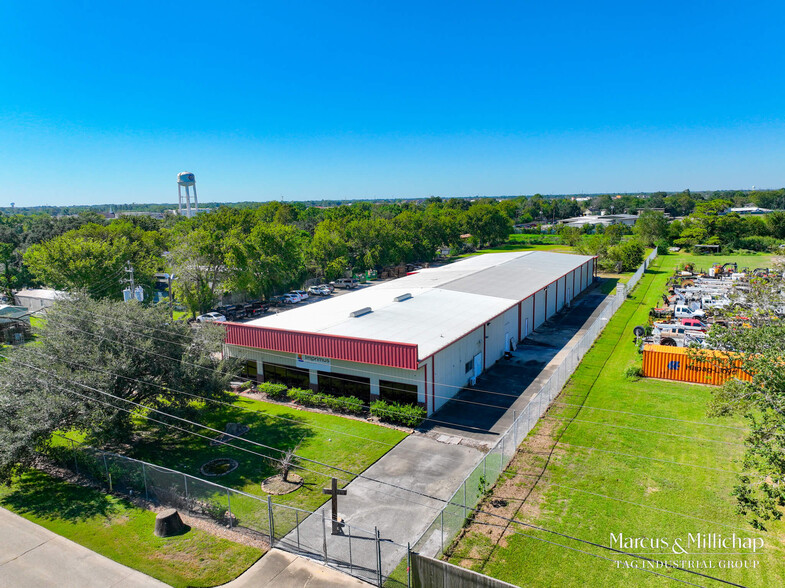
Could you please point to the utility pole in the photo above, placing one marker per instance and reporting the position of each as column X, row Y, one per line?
column 130, row 269
column 171, row 304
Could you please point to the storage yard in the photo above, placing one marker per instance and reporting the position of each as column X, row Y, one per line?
column 620, row 454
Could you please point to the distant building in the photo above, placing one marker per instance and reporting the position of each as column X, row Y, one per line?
column 158, row 215
column 601, row 219
column 750, row 210
column 14, row 324
column 39, row 298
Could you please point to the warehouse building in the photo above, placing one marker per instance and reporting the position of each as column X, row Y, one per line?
column 416, row 339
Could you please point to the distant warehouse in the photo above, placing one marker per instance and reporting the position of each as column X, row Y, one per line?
column 416, row 339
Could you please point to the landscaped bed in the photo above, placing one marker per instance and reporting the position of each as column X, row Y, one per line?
column 118, row 530
column 640, row 458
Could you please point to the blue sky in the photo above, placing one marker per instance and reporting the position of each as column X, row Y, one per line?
column 108, row 101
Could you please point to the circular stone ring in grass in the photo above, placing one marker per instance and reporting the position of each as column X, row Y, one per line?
column 277, row 485
column 219, row 467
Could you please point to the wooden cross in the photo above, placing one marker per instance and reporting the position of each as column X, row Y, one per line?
column 334, row 491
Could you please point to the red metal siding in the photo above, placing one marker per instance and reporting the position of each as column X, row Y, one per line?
column 398, row 355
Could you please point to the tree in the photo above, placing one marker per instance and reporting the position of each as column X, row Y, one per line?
column 73, row 262
column 487, row 225
column 270, row 258
column 760, row 491
column 199, row 269
column 651, row 226
column 775, row 223
column 624, row 257
column 328, row 253
column 86, row 348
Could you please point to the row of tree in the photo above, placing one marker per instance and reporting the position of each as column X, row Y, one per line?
column 266, row 248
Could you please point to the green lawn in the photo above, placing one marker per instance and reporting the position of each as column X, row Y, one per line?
column 526, row 242
column 116, row 529
column 350, row 444
column 665, row 478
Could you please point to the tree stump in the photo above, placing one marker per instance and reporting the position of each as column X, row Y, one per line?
column 168, row 523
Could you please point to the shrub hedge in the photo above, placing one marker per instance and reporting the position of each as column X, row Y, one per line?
column 347, row 404
column 407, row 415
column 273, row 390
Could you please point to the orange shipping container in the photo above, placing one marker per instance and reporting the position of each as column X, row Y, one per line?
column 675, row 363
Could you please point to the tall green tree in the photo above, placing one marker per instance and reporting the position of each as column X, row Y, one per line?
column 86, row 348
column 487, row 225
column 198, row 265
column 269, row 258
column 651, row 227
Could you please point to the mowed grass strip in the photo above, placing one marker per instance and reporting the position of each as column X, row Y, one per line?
column 350, row 444
column 118, row 530
column 636, row 475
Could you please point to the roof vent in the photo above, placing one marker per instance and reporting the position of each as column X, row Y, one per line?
column 402, row 297
column 361, row 312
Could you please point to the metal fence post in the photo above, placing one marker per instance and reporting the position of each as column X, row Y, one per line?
column 408, row 565
column 229, row 505
column 442, row 518
column 464, row 500
column 514, row 429
column 378, row 555
column 297, row 528
column 185, row 481
column 272, row 520
column 144, row 477
column 503, row 457
column 106, row 469
column 351, row 563
column 324, row 539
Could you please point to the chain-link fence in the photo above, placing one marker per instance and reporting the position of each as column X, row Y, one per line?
column 438, row 536
column 359, row 552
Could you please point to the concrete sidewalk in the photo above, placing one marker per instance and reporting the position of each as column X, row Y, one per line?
column 417, row 463
column 279, row 569
column 34, row 557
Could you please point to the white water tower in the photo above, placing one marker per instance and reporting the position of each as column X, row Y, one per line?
column 187, row 180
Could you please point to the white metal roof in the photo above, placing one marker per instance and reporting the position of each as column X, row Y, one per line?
column 446, row 302
column 42, row 294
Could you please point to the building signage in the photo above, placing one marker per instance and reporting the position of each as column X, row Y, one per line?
column 313, row 362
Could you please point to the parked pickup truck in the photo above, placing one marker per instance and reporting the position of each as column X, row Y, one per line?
column 682, row 311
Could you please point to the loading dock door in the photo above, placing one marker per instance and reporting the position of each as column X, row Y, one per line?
column 509, row 343
column 477, row 368
column 526, row 328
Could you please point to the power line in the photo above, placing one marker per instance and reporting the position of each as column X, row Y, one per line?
column 229, row 404
column 474, row 510
column 365, row 371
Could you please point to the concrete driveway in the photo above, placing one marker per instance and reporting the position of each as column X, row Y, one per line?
column 34, row 557
column 417, row 463
column 517, row 379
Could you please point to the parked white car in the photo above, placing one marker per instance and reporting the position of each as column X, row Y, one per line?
column 291, row 298
column 211, row 317
column 319, row 291
column 302, row 293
